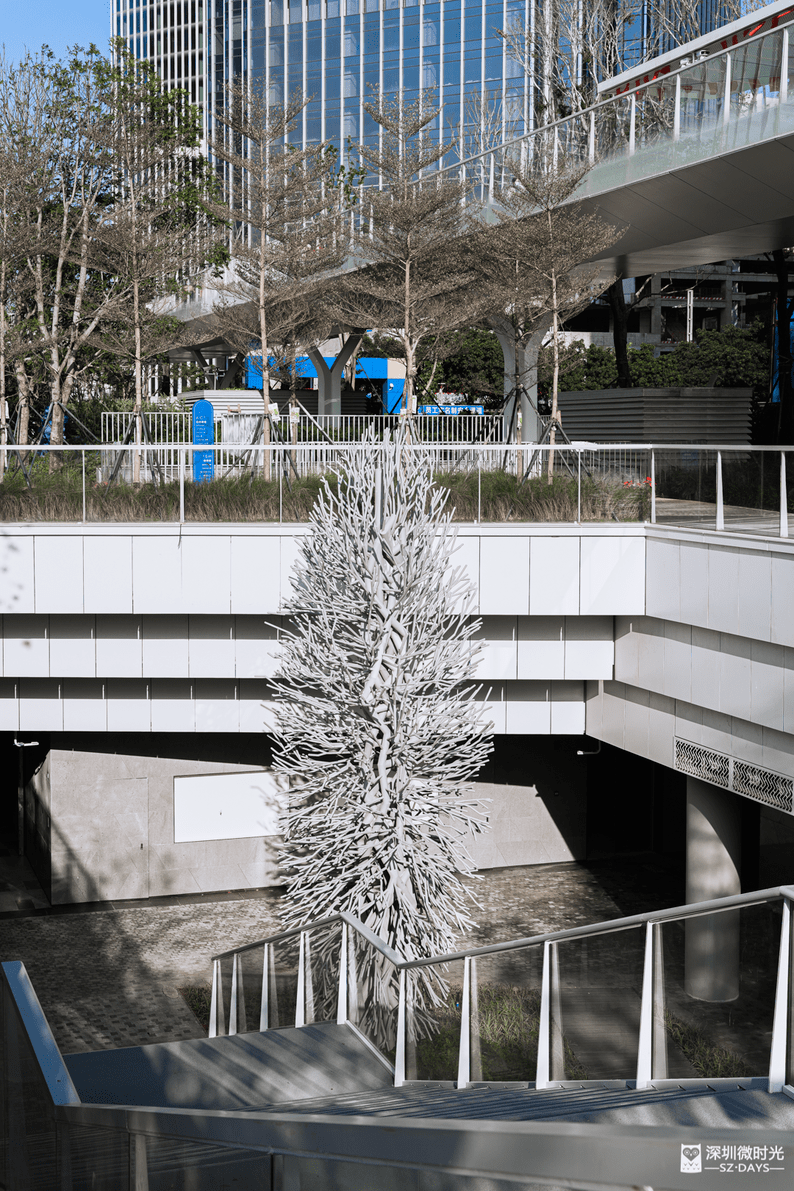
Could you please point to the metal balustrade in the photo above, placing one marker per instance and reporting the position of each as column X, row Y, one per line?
column 673, row 114
column 621, row 991
column 739, row 488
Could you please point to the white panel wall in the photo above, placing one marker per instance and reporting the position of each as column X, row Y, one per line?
column 730, row 584
column 59, row 573
column 26, row 646
column 107, row 573
column 18, row 587
column 119, row 647
column 504, row 576
column 718, row 672
column 613, row 576
column 211, row 646
column 555, row 576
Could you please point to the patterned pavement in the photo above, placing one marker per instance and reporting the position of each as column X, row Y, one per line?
column 108, row 976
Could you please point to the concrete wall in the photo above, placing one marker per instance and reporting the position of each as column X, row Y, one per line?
column 112, row 831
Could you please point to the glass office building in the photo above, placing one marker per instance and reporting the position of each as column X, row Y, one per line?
column 170, row 34
column 336, row 50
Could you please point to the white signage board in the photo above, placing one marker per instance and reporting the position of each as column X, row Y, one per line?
column 212, row 806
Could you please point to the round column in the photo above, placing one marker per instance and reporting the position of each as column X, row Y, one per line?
column 713, row 857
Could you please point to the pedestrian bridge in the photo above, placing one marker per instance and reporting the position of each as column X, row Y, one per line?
column 633, row 1053
column 692, row 154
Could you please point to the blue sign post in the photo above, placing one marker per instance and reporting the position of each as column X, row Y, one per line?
column 203, row 434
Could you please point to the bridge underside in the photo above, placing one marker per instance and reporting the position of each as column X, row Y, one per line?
column 737, row 203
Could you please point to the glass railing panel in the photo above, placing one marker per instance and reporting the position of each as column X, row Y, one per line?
column 505, row 1019
column 373, row 987
column 717, row 995
column 99, row 1159
column 171, row 1164
column 435, row 997
column 322, row 972
column 283, row 986
column 751, row 491
column 686, row 487
column 249, row 978
column 595, row 1001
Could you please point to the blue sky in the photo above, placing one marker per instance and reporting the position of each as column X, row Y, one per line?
column 59, row 23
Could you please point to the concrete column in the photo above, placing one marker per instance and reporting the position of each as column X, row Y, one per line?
column 713, row 855
column 531, row 428
column 329, row 380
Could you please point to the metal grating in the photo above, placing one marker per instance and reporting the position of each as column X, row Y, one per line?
column 762, row 785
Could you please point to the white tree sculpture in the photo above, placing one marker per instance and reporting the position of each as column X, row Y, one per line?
column 377, row 724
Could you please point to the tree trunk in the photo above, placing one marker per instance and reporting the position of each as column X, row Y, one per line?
column 617, row 304
column 555, row 383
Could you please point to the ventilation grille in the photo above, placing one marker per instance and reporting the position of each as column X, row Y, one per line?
column 762, row 785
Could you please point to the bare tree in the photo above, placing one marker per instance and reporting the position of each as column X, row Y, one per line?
column 287, row 207
column 375, row 722
column 418, row 274
column 572, row 45
column 536, row 256
column 158, row 231
column 64, row 206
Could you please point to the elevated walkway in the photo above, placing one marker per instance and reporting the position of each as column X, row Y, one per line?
column 692, row 154
column 373, row 1095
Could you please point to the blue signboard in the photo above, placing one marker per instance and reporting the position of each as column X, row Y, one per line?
column 451, row 409
column 203, row 433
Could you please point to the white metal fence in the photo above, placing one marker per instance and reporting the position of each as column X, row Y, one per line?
column 239, row 438
column 717, row 487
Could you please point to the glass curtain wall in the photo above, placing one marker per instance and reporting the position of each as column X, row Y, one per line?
column 338, row 51
column 169, row 35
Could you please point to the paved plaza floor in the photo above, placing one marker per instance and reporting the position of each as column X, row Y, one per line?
column 107, row 975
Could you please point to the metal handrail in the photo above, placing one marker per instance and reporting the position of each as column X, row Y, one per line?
column 779, row 1074
column 296, row 931
column 614, row 925
column 601, row 104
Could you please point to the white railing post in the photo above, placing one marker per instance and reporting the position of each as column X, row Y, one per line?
column 779, row 1075
column 308, row 982
column 264, row 1006
column 633, row 126
column 720, row 513
column 399, row 1054
column 479, row 487
column 234, row 997
column 300, row 1000
column 653, row 487
column 464, row 1051
column 783, row 497
column 677, row 109
column 659, row 1025
column 341, row 1003
column 217, row 1016
column 557, row 1041
column 84, row 516
column 645, row 1046
column 181, row 484
column 783, row 92
column 579, row 486
column 542, row 1072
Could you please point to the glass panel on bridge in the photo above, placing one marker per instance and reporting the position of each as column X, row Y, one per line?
column 596, row 995
column 433, row 1035
column 717, row 994
column 505, row 1020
